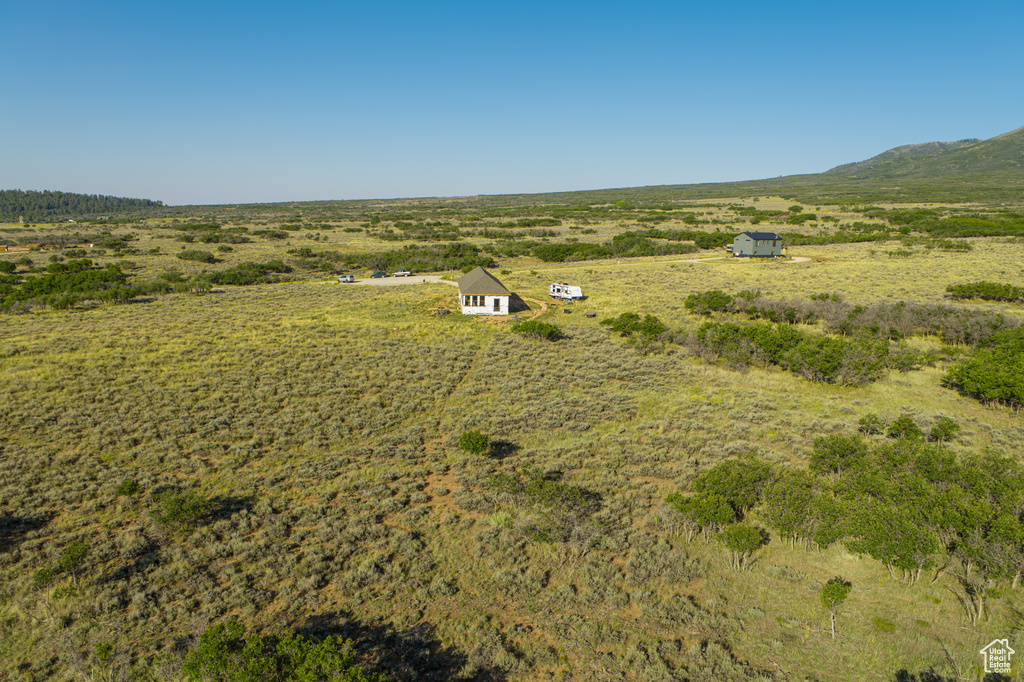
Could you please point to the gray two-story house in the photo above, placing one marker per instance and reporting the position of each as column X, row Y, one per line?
column 757, row 245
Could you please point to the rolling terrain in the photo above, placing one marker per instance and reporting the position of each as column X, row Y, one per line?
column 200, row 426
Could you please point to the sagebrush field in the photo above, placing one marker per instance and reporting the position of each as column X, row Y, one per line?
column 288, row 454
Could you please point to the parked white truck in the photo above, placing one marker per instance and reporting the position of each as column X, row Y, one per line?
column 565, row 292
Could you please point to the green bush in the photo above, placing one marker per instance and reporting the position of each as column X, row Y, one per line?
column 871, row 424
column 944, row 429
column 43, row 577
column 539, row 330
column 628, row 324
column 905, row 427
column 224, row 652
column 179, row 507
column 474, row 442
column 838, row 453
column 198, row 256
column 563, row 510
column 73, row 556
column 128, row 487
column 819, row 358
column 996, row 372
column 248, row 273
column 739, row 481
column 704, row 302
column 988, row 291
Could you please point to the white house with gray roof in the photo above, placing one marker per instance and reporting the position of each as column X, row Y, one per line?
column 480, row 293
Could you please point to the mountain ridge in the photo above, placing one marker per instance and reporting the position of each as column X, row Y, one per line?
column 970, row 156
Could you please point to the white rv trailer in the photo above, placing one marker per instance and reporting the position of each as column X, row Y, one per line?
column 565, row 292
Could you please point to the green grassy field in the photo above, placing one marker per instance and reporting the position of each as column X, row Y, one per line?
column 321, row 422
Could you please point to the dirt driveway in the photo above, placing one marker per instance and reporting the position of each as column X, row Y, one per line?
column 398, row 281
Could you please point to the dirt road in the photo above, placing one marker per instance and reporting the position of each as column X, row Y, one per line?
column 399, row 281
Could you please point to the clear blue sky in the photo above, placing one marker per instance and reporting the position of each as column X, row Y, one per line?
column 227, row 101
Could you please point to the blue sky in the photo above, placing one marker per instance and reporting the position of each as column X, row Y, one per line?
column 227, row 102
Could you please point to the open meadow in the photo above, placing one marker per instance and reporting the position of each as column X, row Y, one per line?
column 288, row 454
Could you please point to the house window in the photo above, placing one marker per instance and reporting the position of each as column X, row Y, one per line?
column 467, row 301
column 497, row 304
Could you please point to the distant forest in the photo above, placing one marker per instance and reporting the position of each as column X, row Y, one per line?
column 47, row 205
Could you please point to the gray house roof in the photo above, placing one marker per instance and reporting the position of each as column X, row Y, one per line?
column 762, row 235
column 479, row 282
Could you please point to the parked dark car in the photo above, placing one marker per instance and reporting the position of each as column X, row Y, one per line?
column 378, row 275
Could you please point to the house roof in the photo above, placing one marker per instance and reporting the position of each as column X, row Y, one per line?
column 762, row 235
column 480, row 282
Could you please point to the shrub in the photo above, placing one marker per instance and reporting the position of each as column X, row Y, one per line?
column 628, row 324
column 838, row 453
column 198, row 256
column 996, row 372
column 704, row 302
column 564, row 510
column 905, row 427
column 474, row 442
column 43, row 577
column 538, row 330
column 225, row 653
column 128, row 487
column 73, row 557
column 179, row 507
column 988, row 291
column 944, row 429
column 249, row 273
column 871, row 424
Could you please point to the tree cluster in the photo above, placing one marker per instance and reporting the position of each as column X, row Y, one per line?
column 625, row 245
column 996, row 371
column 48, row 205
column 63, row 285
column 817, row 357
column 225, row 652
column 987, row 291
column 910, row 504
column 955, row 325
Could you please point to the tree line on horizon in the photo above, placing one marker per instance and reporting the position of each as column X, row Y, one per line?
column 29, row 206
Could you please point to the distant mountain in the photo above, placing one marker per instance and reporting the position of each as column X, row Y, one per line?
column 933, row 159
column 901, row 153
column 963, row 171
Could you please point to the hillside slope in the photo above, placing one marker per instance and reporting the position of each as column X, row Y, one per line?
column 1004, row 153
column 902, row 154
